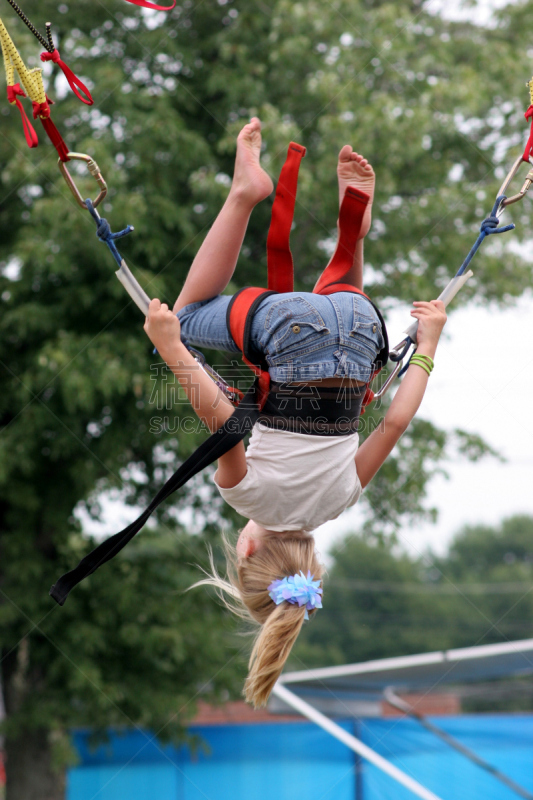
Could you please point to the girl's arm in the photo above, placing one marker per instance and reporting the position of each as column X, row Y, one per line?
column 376, row 448
column 209, row 402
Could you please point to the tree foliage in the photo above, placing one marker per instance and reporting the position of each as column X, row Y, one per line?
column 380, row 602
column 435, row 105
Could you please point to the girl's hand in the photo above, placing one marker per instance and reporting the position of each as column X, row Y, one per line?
column 431, row 320
column 163, row 327
column 406, row 402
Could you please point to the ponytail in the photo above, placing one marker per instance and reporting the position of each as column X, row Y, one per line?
column 245, row 593
column 271, row 650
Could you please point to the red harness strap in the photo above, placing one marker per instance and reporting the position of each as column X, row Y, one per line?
column 279, row 256
column 239, row 319
column 280, row 266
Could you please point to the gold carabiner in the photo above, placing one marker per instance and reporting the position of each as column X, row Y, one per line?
column 505, row 185
column 93, row 168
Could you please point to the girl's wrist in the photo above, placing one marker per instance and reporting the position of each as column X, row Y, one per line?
column 173, row 353
column 427, row 349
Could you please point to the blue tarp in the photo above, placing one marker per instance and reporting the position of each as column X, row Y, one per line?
column 505, row 741
column 253, row 762
column 289, row 761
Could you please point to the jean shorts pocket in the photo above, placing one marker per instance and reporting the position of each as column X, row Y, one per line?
column 293, row 323
column 366, row 329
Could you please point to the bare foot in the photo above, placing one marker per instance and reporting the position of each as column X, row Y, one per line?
column 250, row 181
column 354, row 170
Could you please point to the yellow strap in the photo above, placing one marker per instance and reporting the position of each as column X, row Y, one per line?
column 530, row 87
column 31, row 79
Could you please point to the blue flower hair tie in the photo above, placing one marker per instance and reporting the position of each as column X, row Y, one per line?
column 297, row 589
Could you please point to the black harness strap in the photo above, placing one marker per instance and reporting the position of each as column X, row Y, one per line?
column 227, row 436
column 315, row 410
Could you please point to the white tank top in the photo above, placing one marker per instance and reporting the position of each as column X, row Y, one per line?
column 295, row 481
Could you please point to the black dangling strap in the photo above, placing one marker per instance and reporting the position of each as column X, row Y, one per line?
column 227, row 436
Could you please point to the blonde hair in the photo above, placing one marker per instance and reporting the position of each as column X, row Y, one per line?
column 280, row 555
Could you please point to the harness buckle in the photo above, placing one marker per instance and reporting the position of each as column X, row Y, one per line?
column 391, row 378
column 505, row 185
column 234, row 395
column 93, row 168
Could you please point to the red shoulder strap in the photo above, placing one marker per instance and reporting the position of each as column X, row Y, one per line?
column 238, row 311
column 279, row 256
column 350, row 220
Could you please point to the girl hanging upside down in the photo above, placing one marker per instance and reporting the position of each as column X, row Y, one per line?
column 291, row 479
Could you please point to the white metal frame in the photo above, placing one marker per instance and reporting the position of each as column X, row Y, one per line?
column 494, row 660
column 352, row 742
column 402, row 664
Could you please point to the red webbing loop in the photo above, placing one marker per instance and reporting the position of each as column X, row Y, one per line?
column 529, row 145
column 351, row 216
column 74, row 82
column 279, row 256
column 56, row 138
column 14, row 93
column 146, row 4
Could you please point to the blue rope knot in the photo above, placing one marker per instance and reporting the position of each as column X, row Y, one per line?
column 488, row 227
column 103, row 229
column 104, row 232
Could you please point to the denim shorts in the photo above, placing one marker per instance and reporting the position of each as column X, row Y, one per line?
column 304, row 336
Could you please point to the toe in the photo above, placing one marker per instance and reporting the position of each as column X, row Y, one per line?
column 345, row 153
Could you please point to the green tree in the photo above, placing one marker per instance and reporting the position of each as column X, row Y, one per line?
column 415, row 93
column 131, row 648
column 378, row 603
column 501, row 555
column 381, row 603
